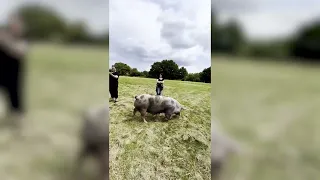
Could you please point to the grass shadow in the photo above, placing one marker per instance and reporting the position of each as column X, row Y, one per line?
column 149, row 118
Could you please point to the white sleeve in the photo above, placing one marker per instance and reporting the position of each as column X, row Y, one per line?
column 18, row 49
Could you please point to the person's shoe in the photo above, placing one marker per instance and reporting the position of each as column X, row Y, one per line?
column 115, row 100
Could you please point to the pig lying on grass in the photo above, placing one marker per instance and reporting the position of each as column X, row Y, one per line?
column 146, row 103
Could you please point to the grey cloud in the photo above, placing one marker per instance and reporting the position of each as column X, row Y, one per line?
column 167, row 4
column 182, row 62
column 178, row 33
column 203, row 39
column 134, row 52
column 175, row 33
column 233, row 6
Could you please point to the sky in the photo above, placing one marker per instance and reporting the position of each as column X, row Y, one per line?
column 145, row 31
column 268, row 19
column 94, row 12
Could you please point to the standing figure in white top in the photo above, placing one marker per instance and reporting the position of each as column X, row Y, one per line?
column 159, row 86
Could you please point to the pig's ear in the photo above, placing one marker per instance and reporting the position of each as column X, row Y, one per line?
column 136, row 97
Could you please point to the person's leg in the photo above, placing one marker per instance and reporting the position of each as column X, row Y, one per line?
column 111, row 90
column 158, row 90
column 15, row 92
column 17, row 114
column 116, row 93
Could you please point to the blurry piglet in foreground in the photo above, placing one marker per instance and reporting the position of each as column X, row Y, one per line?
column 222, row 146
column 95, row 139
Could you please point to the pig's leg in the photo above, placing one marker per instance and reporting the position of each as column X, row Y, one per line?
column 168, row 114
column 135, row 111
column 143, row 115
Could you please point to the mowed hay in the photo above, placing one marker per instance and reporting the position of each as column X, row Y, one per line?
column 177, row 149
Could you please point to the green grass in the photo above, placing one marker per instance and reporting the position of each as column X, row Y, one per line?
column 177, row 149
column 61, row 81
column 273, row 111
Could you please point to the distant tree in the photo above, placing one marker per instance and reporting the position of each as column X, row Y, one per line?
column 236, row 36
column 168, row 68
column 194, row 77
column 77, row 32
column 145, row 73
column 122, row 68
column 307, row 42
column 135, row 72
column 42, row 23
column 205, row 75
column 182, row 74
column 227, row 38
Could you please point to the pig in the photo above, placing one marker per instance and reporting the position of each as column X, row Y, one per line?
column 146, row 103
column 95, row 139
column 222, row 146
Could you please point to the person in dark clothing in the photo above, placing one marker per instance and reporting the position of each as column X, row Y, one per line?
column 13, row 49
column 113, row 84
column 159, row 86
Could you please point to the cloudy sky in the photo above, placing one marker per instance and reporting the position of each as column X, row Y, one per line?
column 94, row 12
column 265, row 19
column 145, row 31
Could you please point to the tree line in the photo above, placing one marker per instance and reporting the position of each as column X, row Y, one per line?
column 168, row 68
column 43, row 24
column 229, row 38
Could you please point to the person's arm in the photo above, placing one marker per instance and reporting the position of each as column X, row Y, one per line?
column 17, row 49
column 116, row 76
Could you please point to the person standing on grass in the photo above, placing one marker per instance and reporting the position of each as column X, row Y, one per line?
column 13, row 49
column 159, row 86
column 113, row 83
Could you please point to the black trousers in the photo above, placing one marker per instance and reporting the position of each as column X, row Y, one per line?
column 11, row 72
column 159, row 90
column 113, row 89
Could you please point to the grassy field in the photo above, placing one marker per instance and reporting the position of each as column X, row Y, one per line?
column 177, row 149
column 61, row 82
column 273, row 111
